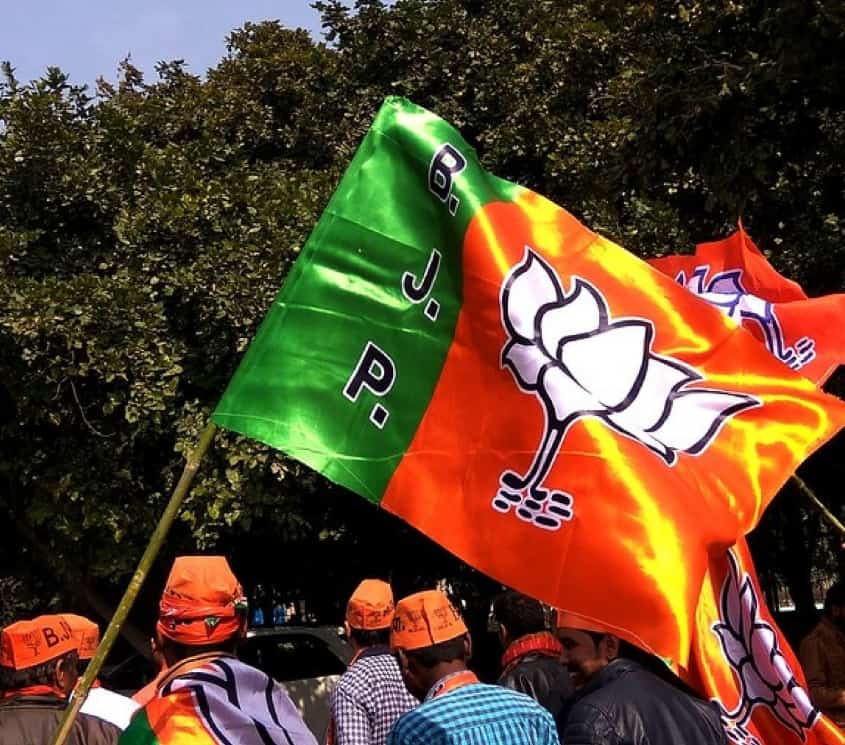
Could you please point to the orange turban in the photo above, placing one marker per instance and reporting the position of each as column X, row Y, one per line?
column 371, row 606
column 203, row 602
column 26, row 644
column 425, row 619
column 85, row 632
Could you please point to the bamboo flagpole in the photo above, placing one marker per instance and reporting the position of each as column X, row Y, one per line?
column 818, row 504
column 149, row 556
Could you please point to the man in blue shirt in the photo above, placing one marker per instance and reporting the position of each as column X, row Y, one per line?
column 432, row 645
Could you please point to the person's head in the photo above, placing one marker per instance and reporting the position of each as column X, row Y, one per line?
column 40, row 652
column 369, row 614
column 429, row 639
column 834, row 603
column 586, row 651
column 87, row 636
column 518, row 615
column 202, row 609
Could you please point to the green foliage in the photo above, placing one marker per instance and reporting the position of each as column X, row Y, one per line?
column 145, row 229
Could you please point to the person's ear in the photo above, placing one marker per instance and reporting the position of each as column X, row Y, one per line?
column 347, row 630
column 503, row 634
column 66, row 674
column 468, row 647
column 610, row 644
column 403, row 661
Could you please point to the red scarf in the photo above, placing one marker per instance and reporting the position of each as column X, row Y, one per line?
column 543, row 643
column 40, row 690
column 451, row 683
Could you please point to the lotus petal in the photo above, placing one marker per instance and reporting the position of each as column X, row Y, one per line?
column 565, row 396
column 525, row 361
column 803, row 704
column 653, row 401
column 763, row 646
column 530, row 285
column 580, row 313
column 610, row 363
column 696, row 416
column 732, row 644
column 726, row 283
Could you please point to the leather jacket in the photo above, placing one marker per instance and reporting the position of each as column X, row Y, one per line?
column 624, row 704
column 542, row 677
column 34, row 720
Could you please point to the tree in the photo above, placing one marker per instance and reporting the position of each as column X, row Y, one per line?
column 145, row 228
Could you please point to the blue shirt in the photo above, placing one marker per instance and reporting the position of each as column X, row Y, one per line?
column 476, row 714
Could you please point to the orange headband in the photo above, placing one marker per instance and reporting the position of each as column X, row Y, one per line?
column 203, row 602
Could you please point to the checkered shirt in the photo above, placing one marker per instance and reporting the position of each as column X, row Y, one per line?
column 367, row 700
column 477, row 714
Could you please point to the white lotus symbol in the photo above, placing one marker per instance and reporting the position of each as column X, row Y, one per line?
column 566, row 350
column 751, row 647
column 724, row 291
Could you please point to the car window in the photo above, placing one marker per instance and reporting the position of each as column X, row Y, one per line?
column 292, row 657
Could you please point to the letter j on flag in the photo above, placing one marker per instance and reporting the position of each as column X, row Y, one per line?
column 525, row 392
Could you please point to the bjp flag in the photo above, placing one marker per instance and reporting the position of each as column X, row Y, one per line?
column 560, row 415
column 734, row 276
column 741, row 660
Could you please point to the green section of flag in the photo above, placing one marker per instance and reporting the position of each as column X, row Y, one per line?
column 139, row 731
column 343, row 302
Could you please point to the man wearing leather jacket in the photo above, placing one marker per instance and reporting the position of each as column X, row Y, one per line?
column 38, row 669
column 531, row 663
column 619, row 702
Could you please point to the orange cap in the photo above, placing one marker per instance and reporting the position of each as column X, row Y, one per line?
column 371, row 606
column 85, row 632
column 202, row 602
column 26, row 644
column 568, row 620
column 425, row 619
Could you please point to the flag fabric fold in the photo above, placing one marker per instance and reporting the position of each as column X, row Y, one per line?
column 534, row 398
column 734, row 276
column 221, row 702
column 741, row 660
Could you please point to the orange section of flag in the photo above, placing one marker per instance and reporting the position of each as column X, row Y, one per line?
column 174, row 720
column 742, row 661
column 733, row 274
column 593, row 425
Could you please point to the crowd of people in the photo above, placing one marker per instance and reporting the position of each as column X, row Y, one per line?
column 408, row 683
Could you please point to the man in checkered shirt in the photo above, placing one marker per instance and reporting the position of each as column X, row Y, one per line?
column 370, row 696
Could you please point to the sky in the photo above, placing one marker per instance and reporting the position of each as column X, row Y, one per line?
column 88, row 38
